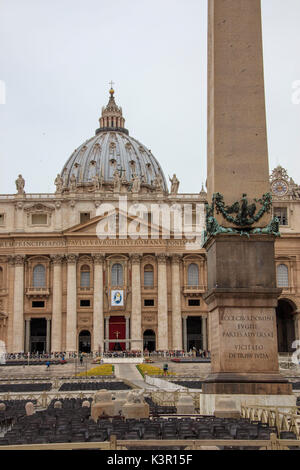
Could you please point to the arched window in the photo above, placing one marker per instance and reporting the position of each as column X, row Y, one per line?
column 117, row 275
column 85, row 276
column 193, row 275
column 39, row 276
column 148, row 276
column 282, row 276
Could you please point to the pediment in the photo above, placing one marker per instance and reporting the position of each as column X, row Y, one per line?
column 91, row 227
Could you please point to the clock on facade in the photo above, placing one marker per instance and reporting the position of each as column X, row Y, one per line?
column 280, row 187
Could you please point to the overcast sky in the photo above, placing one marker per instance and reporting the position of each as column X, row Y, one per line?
column 57, row 58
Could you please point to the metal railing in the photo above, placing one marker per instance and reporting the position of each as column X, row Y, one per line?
column 285, row 418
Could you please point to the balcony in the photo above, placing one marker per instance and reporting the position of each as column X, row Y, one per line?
column 37, row 291
column 85, row 290
column 194, row 290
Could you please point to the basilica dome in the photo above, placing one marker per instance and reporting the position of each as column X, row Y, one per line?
column 112, row 153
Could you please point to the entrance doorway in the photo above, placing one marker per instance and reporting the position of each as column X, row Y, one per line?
column 285, row 325
column 117, row 331
column 38, row 333
column 84, row 341
column 194, row 333
column 149, row 340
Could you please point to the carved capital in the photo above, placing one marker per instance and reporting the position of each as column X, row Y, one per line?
column 57, row 259
column 19, row 205
column 161, row 258
column 19, row 260
column 136, row 258
column 98, row 258
column 71, row 258
column 176, row 258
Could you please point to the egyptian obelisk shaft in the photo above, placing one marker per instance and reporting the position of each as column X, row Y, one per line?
column 237, row 139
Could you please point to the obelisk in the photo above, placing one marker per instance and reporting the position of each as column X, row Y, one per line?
column 242, row 293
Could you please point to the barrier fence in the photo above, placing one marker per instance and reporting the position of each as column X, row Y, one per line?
column 283, row 418
column 113, row 444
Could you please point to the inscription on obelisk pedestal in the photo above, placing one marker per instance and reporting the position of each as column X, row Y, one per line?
column 246, row 340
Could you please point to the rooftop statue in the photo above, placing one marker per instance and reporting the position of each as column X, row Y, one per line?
column 20, row 184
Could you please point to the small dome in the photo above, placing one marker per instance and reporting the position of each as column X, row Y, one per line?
column 113, row 149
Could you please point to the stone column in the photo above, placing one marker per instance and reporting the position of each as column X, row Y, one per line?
column 127, row 333
column 106, row 320
column 19, row 221
column 204, row 333
column 297, row 324
column 56, row 333
column 136, row 308
column 48, row 336
column 162, row 308
column 176, row 304
column 18, row 313
column 184, row 333
column 71, row 327
column 98, row 320
column 27, row 336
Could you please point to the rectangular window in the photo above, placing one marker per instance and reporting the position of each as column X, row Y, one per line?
column 1, row 219
column 148, row 279
column 84, row 217
column 85, row 303
column 148, row 302
column 194, row 302
column 281, row 213
column 38, row 304
column 39, row 219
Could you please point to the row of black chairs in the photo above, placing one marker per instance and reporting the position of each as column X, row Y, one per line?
column 74, row 386
column 23, row 387
column 63, row 425
column 157, row 410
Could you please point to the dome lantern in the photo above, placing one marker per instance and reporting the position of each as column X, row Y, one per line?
column 111, row 117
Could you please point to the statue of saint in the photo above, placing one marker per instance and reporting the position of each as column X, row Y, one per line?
column 59, row 183
column 20, row 184
column 96, row 183
column 136, row 183
column 174, row 184
column 117, row 181
column 73, row 183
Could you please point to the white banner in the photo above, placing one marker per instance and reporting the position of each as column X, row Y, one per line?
column 117, row 298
